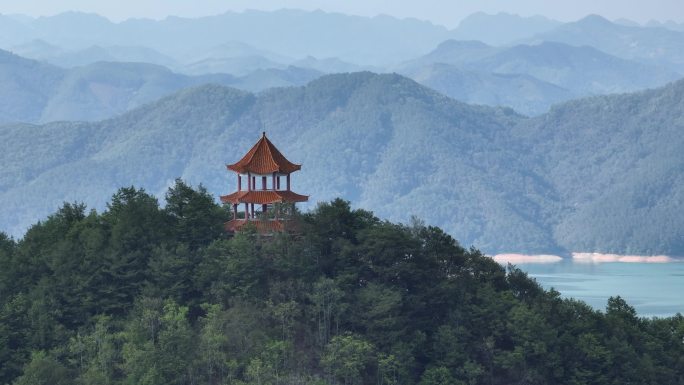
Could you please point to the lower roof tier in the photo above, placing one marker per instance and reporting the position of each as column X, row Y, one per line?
column 263, row 197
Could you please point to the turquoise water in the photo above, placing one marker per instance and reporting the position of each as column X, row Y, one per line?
column 653, row 289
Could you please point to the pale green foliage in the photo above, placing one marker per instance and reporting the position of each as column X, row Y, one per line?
column 345, row 358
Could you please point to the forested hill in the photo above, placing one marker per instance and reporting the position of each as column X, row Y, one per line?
column 601, row 174
column 140, row 294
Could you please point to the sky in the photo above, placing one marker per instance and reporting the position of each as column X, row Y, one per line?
column 444, row 12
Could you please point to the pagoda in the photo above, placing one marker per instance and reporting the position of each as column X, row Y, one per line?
column 266, row 174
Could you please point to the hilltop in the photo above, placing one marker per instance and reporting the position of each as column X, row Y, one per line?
column 140, row 294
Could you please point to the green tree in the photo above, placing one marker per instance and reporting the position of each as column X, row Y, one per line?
column 195, row 219
column 438, row 376
column 44, row 370
column 347, row 358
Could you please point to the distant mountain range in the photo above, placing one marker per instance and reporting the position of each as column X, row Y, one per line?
column 545, row 60
column 381, row 41
column 598, row 174
column 501, row 28
column 32, row 91
column 529, row 78
column 650, row 45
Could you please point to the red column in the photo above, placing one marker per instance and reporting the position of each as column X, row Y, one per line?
column 235, row 211
column 253, row 211
column 249, row 182
column 288, row 182
column 246, row 211
column 263, row 183
column 253, row 183
column 274, row 181
column 239, row 182
column 278, row 182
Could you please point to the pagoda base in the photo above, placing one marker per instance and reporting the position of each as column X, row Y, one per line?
column 264, row 227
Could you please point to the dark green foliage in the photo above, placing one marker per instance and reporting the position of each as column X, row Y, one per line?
column 139, row 295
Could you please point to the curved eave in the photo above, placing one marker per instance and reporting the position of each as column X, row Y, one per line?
column 261, row 170
column 263, row 197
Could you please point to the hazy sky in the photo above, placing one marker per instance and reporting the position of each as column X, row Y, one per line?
column 446, row 12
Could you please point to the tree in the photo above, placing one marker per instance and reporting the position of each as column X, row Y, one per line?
column 347, row 357
column 44, row 370
column 195, row 219
column 438, row 376
column 326, row 297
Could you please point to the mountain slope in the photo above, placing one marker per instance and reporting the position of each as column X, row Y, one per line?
column 583, row 70
column 617, row 163
column 653, row 45
column 490, row 177
column 523, row 93
column 371, row 41
column 25, row 86
column 501, row 28
column 538, row 75
column 33, row 92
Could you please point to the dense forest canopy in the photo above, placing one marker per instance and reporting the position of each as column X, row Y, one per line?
column 145, row 294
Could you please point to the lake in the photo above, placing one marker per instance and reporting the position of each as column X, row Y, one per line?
column 653, row 289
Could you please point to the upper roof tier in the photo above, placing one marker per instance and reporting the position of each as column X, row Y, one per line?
column 264, row 158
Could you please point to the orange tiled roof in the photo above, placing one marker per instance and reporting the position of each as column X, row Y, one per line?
column 263, row 197
column 264, row 158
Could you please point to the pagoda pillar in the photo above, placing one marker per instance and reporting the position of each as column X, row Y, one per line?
column 288, row 182
column 253, row 211
column 246, row 211
column 274, row 181
column 239, row 182
column 249, row 182
column 235, row 206
column 263, row 183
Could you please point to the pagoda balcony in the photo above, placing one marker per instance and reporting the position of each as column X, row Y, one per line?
column 262, row 226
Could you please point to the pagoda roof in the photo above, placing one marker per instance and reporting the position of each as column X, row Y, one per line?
column 263, row 197
column 264, row 158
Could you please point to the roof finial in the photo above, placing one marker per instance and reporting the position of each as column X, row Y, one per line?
column 263, row 134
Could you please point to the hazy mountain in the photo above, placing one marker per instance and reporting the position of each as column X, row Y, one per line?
column 654, row 45
column 523, row 93
column 457, row 52
column 627, row 22
column 232, row 49
column 501, row 28
column 583, row 70
column 538, row 76
column 232, row 65
column 32, row 91
column 44, row 51
column 489, row 176
column 25, row 87
column 372, row 41
column 331, row 65
column 37, row 49
column 669, row 24
column 105, row 89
